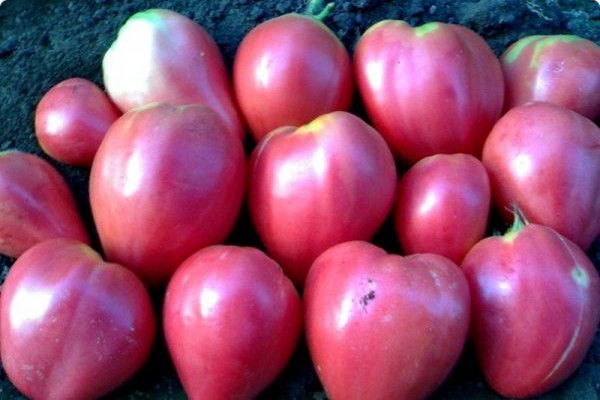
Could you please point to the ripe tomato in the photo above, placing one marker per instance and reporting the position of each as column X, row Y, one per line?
column 437, row 88
column 72, row 119
column 323, row 183
column 535, row 308
column 35, row 204
column 560, row 69
column 73, row 326
column 163, row 56
column 167, row 180
column 382, row 326
column 232, row 320
column 546, row 159
column 442, row 205
column 296, row 67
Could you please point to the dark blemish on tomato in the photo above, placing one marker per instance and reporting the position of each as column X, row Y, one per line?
column 364, row 301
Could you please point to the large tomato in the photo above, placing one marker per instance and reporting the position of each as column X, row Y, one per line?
column 381, row 326
column 311, row 187
column 535, row 308
column 560, row 69
column 437, row 88
column 546, row 159
column 73, row 326
column 288, row 71
column 442, row 205
column 163, row 56
column 167, row 180
column 35, row 204
column 72, row 119
column 232, row 320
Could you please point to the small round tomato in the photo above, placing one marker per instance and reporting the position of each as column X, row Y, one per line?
column 72, row 119
column 546, row 159
column 381, row 326
column 73, row 326
column 288, row 71
column 232, row 320
column 535, row 308
column 442, row 205
column 167, row 181
column 317, row 185
column 436, row 88
column 560, row 69
column 35, row 204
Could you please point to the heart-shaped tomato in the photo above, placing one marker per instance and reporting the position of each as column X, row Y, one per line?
column 166, row 181
column 73, row 326
column 382, row 326
column 232, row 320
column 535, row 308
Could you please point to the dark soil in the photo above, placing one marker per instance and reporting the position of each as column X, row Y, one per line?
column 45, row 42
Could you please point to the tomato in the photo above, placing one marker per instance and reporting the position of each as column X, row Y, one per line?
column 317, row 185
column 72, row 119
column 560, row 69
column 167, row 180
column 73, row 326
column 35, row 204
column 437, row 88
column 442, row 205
column 232, row 320
column 163, row 56
column 297, row 68
column 535, row 308
column 381, row 326
column 546, row 159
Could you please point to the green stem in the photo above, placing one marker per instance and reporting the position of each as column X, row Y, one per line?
column 317, row 10
column 519, row 222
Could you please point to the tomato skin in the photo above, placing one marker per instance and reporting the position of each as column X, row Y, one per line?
column 36, row 204
column 437, row 88
column 232, row 320
column 324, row 183
column 382, row 326
column 71, row 120
column 535, row 309
column 163, row 56
column 442, row 205
column 560, row 69
column 546, row 159
column 73, row 326
column 167, row 180
column 297, row 69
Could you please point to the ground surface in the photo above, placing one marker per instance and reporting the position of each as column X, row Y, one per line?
column 45, row 42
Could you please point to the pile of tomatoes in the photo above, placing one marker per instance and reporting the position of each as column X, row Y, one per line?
column 451, row 135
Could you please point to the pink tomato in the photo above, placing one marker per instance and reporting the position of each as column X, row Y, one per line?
column 288, row 71
column 560, row 69
column 546, row 159
column 381, row 326
column 73, row 326
column 167, row 180
column 232, row 320
column 163, row 56
column 72, row 119
column 535, row 308
column 442, row 205
column 317, row 185
column 35, row 204
column 437, row 88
